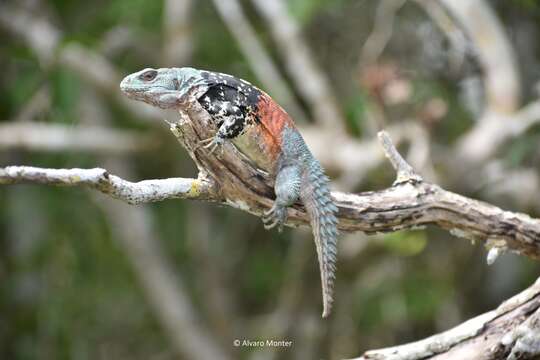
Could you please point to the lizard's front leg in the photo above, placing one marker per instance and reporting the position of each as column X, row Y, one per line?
column 231, row 126
column 287, row 189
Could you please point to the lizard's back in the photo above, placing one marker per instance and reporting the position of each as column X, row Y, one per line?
column 258, row 120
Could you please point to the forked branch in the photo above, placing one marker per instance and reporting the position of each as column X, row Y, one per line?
column 231, row 179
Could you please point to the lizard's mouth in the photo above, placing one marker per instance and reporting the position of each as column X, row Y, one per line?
column 127, row 87
column 134, row 92
column 140, row 92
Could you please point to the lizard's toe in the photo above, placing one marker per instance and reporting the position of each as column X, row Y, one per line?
column 270, row 225
column 269, row 213
column 276, row 216
column 205, row 142
column 212, row 144
column 267, row 220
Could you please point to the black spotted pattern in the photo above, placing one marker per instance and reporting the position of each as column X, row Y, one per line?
column 232, row 102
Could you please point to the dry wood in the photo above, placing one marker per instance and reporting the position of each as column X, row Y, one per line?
column 507, row 332
column 230, row 178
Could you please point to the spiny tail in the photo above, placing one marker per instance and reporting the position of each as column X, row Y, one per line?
column 315, row 195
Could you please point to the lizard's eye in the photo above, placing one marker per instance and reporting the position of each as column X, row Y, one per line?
column 148, row 75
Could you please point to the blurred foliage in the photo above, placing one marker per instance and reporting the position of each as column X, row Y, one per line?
column 68, row 291
column 405, row 243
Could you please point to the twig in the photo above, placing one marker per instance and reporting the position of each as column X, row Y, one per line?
column 99, row 179
column 404, row 171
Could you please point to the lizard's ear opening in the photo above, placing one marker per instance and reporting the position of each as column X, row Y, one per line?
column 148, row 75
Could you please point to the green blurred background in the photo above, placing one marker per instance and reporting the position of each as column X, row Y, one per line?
column 72, row 287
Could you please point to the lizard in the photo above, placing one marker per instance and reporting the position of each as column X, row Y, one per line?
column 263, row 131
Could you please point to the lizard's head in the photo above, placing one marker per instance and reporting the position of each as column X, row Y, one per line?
column 163, row 88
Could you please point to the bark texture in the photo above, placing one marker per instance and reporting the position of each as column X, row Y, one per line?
column 509, row 332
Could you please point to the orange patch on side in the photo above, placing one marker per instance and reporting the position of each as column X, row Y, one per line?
column 273, row 119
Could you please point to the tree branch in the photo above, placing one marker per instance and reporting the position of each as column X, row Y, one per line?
column 99, row 179
column 502, row 333
column 230, row 178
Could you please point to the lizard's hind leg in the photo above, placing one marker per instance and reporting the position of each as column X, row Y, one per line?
column 287, row 189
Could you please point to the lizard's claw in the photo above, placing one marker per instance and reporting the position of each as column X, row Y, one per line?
column 212, row 144
column 277, row 215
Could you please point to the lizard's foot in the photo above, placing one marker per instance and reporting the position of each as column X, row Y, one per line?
column 212, row 144
column 277, row 215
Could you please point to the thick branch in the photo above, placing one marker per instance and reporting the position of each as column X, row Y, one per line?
column 410, row 203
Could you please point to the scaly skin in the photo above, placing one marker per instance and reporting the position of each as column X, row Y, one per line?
column 265, row 133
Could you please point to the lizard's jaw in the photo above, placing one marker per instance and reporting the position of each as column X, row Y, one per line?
column 130, row 87
column 142, row 92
